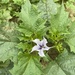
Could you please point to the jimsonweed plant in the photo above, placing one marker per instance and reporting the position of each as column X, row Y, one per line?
column 36, row 38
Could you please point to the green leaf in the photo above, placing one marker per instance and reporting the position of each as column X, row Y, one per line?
column 5, row 14
column 18, row 1
column 55, row 0
column 4, row 71
column 70, row 5
column 71, row 37
column 25, row 46
column 8, row 41
column 71, row 44
column 59, row 27
column 4, row 67
column 32, row 21
column 63, row 65
column 8, row 51
column 27, row 65
column 48, row 7
column 54, row 69
column 60, row 21
column 5, row 1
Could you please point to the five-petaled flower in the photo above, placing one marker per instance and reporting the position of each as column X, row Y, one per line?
column 40, row 46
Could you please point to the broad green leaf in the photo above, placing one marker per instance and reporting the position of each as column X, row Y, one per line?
column 60, row 21
column 8, row 41
column 48, row 7
column 27, row 65
column 32, row 21
column 67, row 63
column 71, row 44
column 54, row 69
column 71, row 37
column 63, row 65
column 8, row 51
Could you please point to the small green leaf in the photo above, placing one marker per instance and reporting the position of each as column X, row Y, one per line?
column 24, row 46
column 4, row 71
column 4, row 67
column 18, row 1
column 5, row 1
column 5, row 14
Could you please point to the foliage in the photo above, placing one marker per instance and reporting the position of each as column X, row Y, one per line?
column 21, row 22
column 70, row 5
column 64, row 65
column 27, row 65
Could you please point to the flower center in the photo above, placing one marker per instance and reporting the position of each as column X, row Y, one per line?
column 41, row 46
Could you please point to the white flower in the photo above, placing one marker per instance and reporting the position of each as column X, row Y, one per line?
column 40, row 46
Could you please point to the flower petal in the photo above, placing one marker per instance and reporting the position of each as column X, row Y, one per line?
column 41, row 53
column 37, row 41
column 46, row 48
column 44, row 41
column 35, row 48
